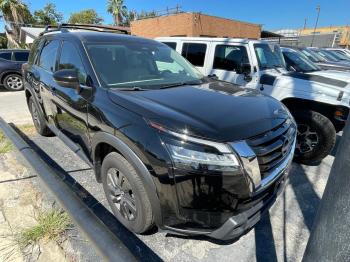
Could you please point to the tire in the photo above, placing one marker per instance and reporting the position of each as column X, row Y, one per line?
column 315, row 132
column 134, row 210
column 13, row 82
column 39, row 122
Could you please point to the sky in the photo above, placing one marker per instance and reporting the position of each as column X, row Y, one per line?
column 272, row 14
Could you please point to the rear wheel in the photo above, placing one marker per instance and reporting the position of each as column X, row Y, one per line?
column 39, row 122
column 316, row 137
column 126, row 194
column 13, row 82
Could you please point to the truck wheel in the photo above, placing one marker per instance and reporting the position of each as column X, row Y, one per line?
column 316, row 137
column 39, row 122
column 13, row 82
column 126, row 194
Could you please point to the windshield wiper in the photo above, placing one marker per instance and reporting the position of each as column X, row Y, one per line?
column 180, row 84
column 133, row 88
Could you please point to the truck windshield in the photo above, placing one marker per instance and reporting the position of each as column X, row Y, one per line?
column 313, row 56
column 299, row 61
column 269, row 56
column 141, row 65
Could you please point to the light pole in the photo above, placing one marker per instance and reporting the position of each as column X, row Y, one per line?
column 318, row 8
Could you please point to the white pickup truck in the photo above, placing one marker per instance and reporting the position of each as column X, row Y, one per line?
column 319, row 105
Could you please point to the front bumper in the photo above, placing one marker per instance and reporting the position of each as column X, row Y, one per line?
column 265, row 196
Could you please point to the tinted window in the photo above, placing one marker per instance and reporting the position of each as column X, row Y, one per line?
column 70, row 59
column 5, row 55
column 48, row 55
column 195, row 53
column 171, row 44
column 21, row 56
column 229, row 57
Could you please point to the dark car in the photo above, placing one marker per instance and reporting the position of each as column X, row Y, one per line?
column 11, row 62
column 171, row 147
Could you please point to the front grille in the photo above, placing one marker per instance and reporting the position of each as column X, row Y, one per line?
column 272, row 147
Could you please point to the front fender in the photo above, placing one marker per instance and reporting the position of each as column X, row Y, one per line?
column 136, row 162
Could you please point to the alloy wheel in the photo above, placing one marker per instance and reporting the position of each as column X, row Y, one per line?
column 307, row 139
column 121, row 194
column 14, row 82
column 35, row 116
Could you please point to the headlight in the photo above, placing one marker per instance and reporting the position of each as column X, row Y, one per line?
column 184, row 158
column 191, row 153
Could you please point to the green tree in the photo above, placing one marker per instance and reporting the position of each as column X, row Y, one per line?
column 130, row 16
column 48, row 15
column 88, row 16
column 145, row 14
column 118, row 10
column 15, row 13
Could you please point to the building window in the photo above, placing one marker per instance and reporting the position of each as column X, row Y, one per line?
column 195, row 53
column 229, row 57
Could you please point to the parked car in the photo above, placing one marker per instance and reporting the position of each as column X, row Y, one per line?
column 330, row 56
column 322, row 62
column 11, row 61
column 341, row 54
column 190, row 154
column 320, row 109
column 296, row 61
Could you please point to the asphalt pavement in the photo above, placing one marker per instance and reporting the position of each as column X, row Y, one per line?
column 281, row 235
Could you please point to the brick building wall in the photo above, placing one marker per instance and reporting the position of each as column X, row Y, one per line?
column 194, row 24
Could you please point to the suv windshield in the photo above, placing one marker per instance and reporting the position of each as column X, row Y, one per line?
column 269, row 56
column 299, row 61
column 144, row 66
column 328, row 56
column 313, row 56
column 338, row 55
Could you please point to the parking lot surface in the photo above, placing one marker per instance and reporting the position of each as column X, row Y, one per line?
column 281, row 235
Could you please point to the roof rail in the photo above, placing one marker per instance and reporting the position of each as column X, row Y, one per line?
column 99, row 28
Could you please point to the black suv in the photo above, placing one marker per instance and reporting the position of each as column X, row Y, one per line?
column 172, row 148
column 11, row 62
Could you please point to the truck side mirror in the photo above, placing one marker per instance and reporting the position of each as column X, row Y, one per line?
column 244, row 68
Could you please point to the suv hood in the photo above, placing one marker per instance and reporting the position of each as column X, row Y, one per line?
column 334, row 74
column 216, row 111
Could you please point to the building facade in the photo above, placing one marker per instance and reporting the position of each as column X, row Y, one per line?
column 342, row 32
column 194, row 24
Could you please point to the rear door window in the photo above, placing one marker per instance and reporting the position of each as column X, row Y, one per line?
column 229, row 57
column 5, row 55
column 21, row 56
column 48, row 55
column 194, row 53
column 171, row 44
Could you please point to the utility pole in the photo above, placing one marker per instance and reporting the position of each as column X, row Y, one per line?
column 305, row 21
column 318, row 8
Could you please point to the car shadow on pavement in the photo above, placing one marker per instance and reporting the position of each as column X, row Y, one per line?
column 135, row 245
column 308, row 202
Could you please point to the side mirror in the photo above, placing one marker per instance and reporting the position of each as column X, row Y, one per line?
column 67, row 78
column 244, row 68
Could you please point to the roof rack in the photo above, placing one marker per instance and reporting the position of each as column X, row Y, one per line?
column 99, row 28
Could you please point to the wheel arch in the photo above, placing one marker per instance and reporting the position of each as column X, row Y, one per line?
column 104, row 143
column 328, row 110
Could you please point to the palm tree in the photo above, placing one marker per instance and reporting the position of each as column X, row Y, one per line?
column 117, row 9
column 12, row 10
column 14, row 13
